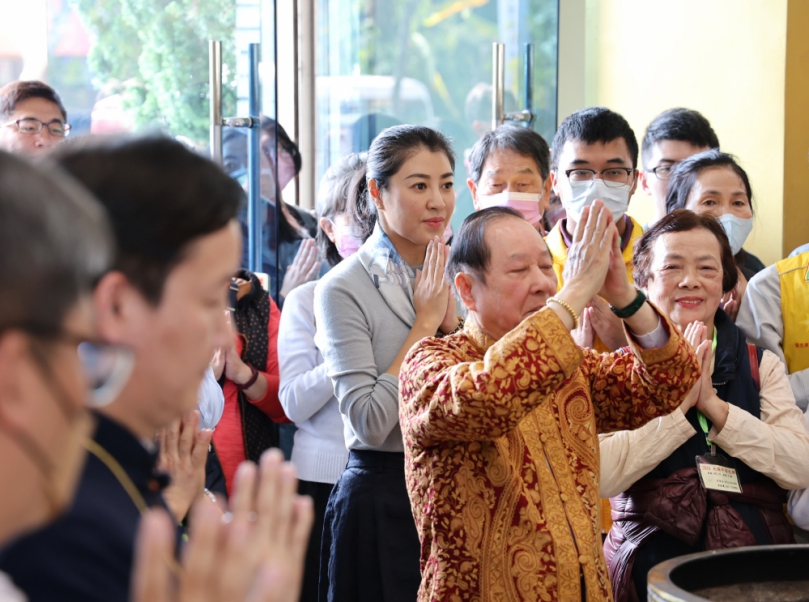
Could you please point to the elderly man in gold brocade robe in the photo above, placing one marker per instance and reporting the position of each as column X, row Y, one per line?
column 500, row 420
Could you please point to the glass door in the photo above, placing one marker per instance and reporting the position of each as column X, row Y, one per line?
column 129, row 66
column 428, row 62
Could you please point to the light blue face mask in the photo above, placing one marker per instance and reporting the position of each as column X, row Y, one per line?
column 585, row 193
column 737, row 229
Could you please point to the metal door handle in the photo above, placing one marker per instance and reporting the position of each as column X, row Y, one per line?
column 499, row 116
column 253, row 123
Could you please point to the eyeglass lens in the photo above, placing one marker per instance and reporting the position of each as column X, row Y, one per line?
column 663, row 172
column 32, row 126
column 611, row 177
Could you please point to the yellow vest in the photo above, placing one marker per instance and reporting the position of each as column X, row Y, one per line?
column 793, row 273
column 558, row 247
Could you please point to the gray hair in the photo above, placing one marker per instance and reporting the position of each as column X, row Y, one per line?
column 522, row 141
column 56, row 244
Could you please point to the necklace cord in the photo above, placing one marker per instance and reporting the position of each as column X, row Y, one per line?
column 129, row 486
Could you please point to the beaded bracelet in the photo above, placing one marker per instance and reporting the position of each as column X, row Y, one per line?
column 569, row 309
column 458, row 328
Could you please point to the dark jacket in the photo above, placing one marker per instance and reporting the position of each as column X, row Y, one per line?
column 87, row 554
column 668, row 513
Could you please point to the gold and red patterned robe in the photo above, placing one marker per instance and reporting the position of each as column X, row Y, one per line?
column 502, row 456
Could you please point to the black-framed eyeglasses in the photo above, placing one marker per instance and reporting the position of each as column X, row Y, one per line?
column 612, row 176
column 664, row 172
column 105, row 367
column 32, row 126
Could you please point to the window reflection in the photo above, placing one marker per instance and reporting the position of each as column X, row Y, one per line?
column 426, row 62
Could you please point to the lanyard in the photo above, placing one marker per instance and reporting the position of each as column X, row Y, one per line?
column 703, row 421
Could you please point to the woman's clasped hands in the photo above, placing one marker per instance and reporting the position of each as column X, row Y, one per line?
column 702, row 394
column 435, row 306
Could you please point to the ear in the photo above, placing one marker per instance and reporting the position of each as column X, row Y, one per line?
column 328, row 228
column 644, row 184
column 634, row 183
column 376, row 195
column 118, row 308
column 555, row 183
column 473, row 189
column 545, row 202
column 463, row 284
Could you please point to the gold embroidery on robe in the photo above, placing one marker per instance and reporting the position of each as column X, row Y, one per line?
column 502, row 456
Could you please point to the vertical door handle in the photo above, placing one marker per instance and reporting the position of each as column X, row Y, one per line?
column 215, row 98
column 498, row 83
column 254, row 230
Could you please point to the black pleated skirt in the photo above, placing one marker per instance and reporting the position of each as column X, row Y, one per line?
column 370, row 547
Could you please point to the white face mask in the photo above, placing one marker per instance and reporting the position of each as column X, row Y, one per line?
column 526, row 203
column 585, row 193
column 737, row 229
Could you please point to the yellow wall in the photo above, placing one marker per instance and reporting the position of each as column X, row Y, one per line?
column 724, row 58
column 796, row 138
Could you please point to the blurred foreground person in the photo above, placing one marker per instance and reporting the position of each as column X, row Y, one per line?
column 53, row 365
column 173, row 215
column 254, row 556
column 500, row 420
column 56, row 244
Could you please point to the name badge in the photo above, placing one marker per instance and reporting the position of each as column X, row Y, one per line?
column 717, row 472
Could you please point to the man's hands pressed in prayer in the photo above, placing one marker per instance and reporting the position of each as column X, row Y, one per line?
column 256, row 555
column 595, row 266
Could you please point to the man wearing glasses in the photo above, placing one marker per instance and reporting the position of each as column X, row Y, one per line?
column 594, row 156
column 32, row 118
column 673, row 136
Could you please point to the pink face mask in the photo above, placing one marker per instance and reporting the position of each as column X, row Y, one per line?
column 526, row 203
column 347, row 245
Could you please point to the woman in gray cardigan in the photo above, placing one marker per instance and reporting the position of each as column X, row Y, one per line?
column 370, row 309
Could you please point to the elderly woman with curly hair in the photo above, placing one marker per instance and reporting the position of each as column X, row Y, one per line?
column 740, row 420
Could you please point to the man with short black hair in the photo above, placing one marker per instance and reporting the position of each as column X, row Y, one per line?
column 178, row 244
column 510, row 167
column 595, row 156
column 673, row 136
column 32, row 118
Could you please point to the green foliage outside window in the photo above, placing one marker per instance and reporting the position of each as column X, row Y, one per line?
column 155, row 53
